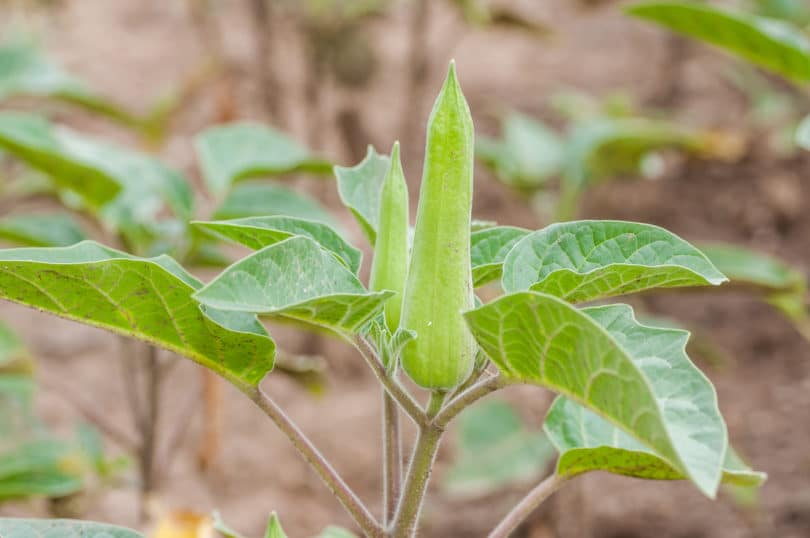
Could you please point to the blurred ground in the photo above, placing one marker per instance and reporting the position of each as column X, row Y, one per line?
column 134, row 50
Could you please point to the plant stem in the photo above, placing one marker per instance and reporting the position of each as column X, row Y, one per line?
column 350, row 501
column 467, row 398
column 392, row 386
column 149, row 434
column 392, row 457
column 424, row 452
column 526, row 506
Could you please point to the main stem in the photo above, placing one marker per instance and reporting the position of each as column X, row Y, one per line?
column 330, row 477
column 392, row 457
column 529, row 503
column 427, row 444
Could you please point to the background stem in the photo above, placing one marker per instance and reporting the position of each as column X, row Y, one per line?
column 525, row 507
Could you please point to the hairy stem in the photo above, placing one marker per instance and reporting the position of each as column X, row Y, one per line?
column 392, row 457
column 467, row 398
column 424, row 452
column 350, row 501
column 391, row 385
column 526, row 506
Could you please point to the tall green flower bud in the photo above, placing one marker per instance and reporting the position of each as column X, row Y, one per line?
column 439, row 285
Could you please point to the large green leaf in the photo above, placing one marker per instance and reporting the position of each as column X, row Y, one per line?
column 360, row 187
column 50, row 230
column 527, row 154
column 586, row 260
column 638, row 378
column 61, row 528
column 254, row 199
column 488, row 249
column 259, row 232
column 150, row 299
column 299, row 280
column 587, row 442
column 495, row 449
column 768, row 43
column 229, row 153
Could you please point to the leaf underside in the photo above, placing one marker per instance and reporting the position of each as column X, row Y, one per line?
column 587, row 442
column 150, row 299
column 638, row 378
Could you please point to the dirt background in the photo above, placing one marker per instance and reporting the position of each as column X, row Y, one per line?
column 133, row 51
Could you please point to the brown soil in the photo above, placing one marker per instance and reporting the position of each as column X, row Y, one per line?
column 133, row 50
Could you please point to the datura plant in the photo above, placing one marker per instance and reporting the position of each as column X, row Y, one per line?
column 629, row 400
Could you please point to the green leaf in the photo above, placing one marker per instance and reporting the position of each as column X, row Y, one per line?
column 360, row 187
column 784, row 287
column 601, row 148
column 54, row 230
column 61, row 528
column 587, row 442
column 495, row 449
column 638, row 378
column 149, row 299
column 255, row 199
column 746, row 266
column 17, row 412
column 526, row 156
column 31, row 139
column 586, row 260
column 488, row 250
column 230, row 153
column 12, row 350
column 24, row 70
column 768, row 43
column 128, row 191
column 259, row 232
column 802, row 135
column 38, row 467
column 299, row 280
column 336, row 532
column 274, row 529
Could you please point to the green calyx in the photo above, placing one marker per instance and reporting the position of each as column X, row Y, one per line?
column 439, row 284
